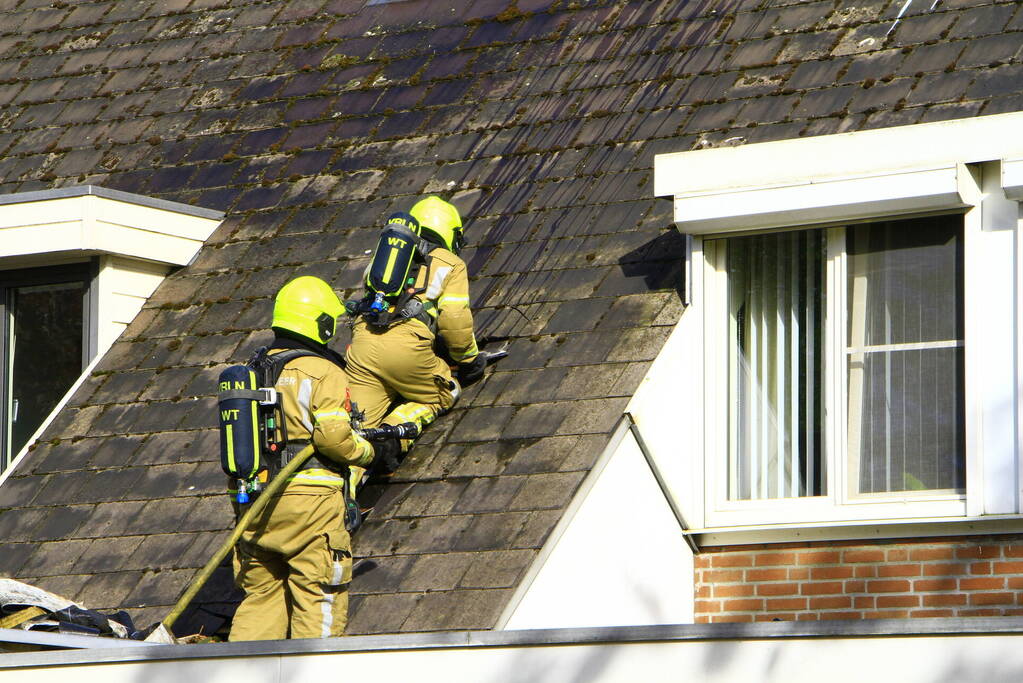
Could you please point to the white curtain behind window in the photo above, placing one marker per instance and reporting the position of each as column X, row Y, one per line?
column 775, row 338
column 905, row 356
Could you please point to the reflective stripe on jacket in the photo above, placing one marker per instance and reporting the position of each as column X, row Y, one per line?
column 313, row 392
column 447, row 299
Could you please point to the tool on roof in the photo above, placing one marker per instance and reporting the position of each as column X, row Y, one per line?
column 162, row 633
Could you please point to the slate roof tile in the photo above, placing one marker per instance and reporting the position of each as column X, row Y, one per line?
column 156, row 481
column 156, row 588
column 981, row 21
column 1004, row 47
column 875, row 65
column 110, row 485
column 953, row 110
column 1000, row 105
column 201, row 546
column 256, row 64
column 381, row 574
column 110, row 451
column 943, row 87
column 60, row 522
column 492, row 531
column 991, row 81
column 752, row 54
column 102, row 591
column 755, row 82
column 436, row 572
column 536, row 529
column 166, row 515
column 538, row 419
column 927, row 58
column 47, row 559
column 536, row 455
column 106, row 555
column 381, row 536
column 19, row 491
column 9, row 91
column 592, row 416
column 116, row 419
column 496, row 569
column 882, row 95
column 821, row 103
column 546, row 491
column 481, row 424
column 72, row 422
column 917, row 29
column 63, row 457
column 474, row 608
column 123, row 33
column 489, row 494
column 381, row 613
column 899, row 117
column 577, row 315
column 20, row 525
column 434, row 534
column 161, row 550
column 477, row 459
column 173, row 322
column 430, row 499
column 64, row 584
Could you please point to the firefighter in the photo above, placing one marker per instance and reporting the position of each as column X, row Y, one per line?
column 295, row 561
column 394, row 373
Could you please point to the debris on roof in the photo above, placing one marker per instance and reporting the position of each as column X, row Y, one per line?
column 26, row 607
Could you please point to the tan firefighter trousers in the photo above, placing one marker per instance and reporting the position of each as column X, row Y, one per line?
column 398, row 365
column 294, row 564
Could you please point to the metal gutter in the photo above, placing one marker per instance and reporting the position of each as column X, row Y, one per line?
column 65, row 641
column 116, row 195
column 118, row 651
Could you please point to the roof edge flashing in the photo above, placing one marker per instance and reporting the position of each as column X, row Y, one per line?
column 88, row 219
column 116, row 195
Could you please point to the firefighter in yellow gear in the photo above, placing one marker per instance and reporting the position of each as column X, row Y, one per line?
column 394, row 373
column 295, row 560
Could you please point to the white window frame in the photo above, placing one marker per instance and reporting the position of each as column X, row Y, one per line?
column 973, row 166
column 837, row 504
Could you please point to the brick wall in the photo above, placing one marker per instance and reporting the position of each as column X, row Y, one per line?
column 949, row 577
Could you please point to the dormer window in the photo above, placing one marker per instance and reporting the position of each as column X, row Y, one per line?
column 76, row 266
column 851, row 354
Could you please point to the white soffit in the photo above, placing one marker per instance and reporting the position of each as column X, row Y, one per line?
column 95, row 220
column 1012, row 178
column 827, row 201
column 895, row 154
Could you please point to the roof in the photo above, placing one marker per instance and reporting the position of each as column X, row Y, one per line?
column 308, row 122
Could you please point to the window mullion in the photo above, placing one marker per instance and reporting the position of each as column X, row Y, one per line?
column 835, row 322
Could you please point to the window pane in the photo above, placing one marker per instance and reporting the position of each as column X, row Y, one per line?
column 775, row 318
column 905, row 356
column 46, row 352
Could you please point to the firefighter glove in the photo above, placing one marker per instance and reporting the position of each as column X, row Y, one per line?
column 471, row 371
column 387, row 454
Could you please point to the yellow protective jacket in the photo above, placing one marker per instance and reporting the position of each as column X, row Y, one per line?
column 446, row 300
column 313, row 392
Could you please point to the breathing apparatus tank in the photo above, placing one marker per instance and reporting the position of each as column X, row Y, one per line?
column 391, row 275
column 240, row 427
column 253, row 431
